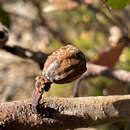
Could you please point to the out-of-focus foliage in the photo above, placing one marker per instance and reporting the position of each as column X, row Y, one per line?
column 88, row 27
column 116, row 4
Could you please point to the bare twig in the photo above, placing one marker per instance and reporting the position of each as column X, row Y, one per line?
column 38, row 57
column 64, row 113
column 98, row 70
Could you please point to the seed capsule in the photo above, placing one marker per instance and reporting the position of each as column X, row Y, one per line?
column 64, row 65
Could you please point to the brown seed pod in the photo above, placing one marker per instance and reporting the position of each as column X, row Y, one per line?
column 64, row 65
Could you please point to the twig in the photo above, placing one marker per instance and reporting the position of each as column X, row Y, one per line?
column 98, row 70
column 64, row 113
column 38, row 57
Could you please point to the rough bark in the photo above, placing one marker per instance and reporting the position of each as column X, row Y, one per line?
column 64, row 113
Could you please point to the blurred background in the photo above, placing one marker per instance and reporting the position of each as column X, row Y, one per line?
column 44, row 26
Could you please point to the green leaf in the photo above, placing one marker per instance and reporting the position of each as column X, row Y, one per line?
column 115, row 4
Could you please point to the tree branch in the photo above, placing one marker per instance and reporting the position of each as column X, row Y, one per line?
column 98, row 70
column 64, row 113
column 38, row 57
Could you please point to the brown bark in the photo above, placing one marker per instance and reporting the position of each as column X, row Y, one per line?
column 64, row 113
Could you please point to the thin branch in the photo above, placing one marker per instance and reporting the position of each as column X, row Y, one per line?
column 64, row 113
column 38, row 57
column 98, row 70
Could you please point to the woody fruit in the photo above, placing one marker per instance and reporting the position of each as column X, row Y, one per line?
column 62, row 66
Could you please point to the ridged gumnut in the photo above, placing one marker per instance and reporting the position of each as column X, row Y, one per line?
column 64, row 65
